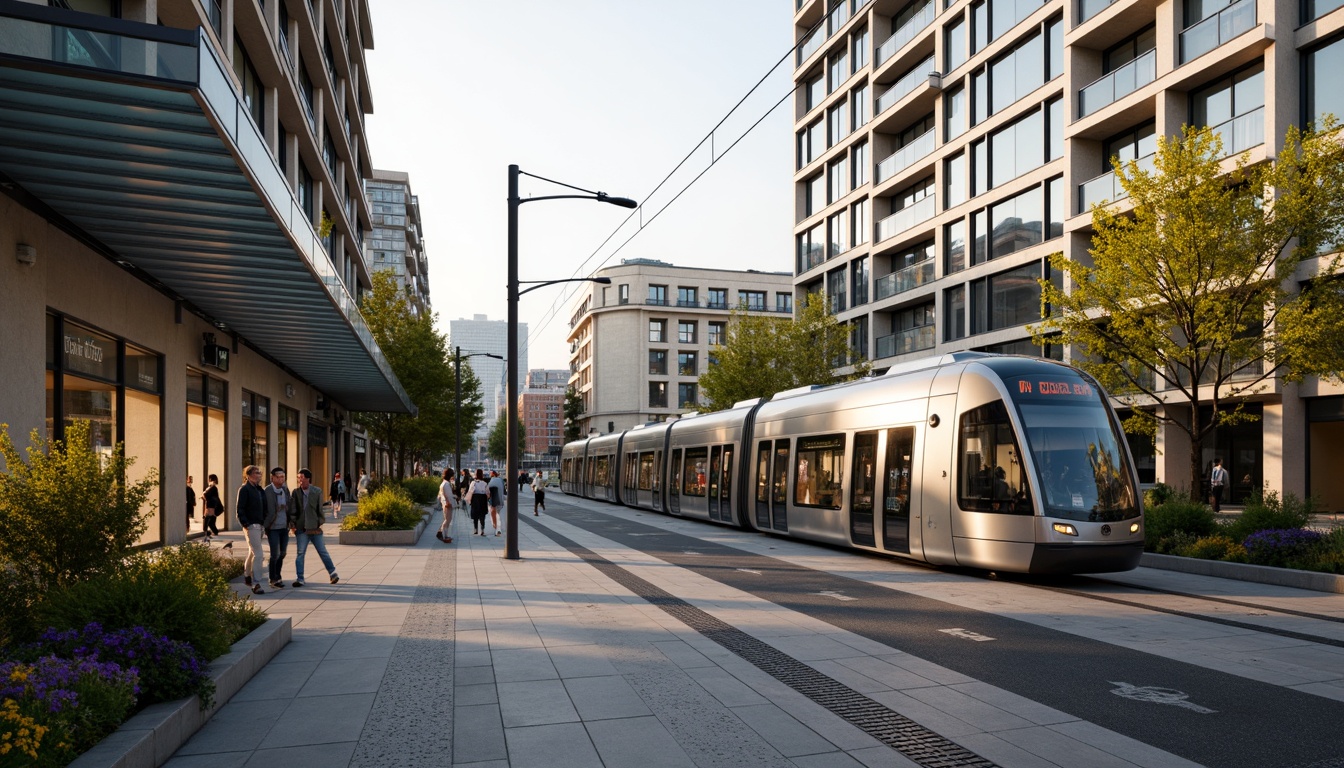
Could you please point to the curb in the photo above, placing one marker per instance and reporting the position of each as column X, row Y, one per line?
column 1262, row 574
column 153, row 734
column 385, row 538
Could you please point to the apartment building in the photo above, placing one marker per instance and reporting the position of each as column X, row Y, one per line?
column 182, row 222
column 638, row 346
column 945, row 149
column 396, row 243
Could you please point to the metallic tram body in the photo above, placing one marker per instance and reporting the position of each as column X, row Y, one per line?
column 998, row 462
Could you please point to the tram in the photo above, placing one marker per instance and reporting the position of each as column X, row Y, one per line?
column 995, row 462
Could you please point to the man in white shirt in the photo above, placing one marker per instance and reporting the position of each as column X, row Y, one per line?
column 1217, row 480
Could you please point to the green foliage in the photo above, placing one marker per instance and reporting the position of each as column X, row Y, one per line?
column 573, row 412
column 419, row 356
column 499, row 438
column 67, row 515
column 765, row 355
column 390, row 508
column 1158, row 495
column 1179, row 515
column 423, row 490
column 1265, row 511
column 1196, row 285
column 179, row 592
column 1215, row 547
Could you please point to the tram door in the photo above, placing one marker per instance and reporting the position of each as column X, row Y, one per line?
column 763, row 485
column 896, row 490
column 726, row 486
column 674, row 484
column 936, row 482
column 864, row 484
column 779, row 487
column 715, row 460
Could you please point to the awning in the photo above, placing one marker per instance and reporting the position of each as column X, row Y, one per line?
column 134, row 133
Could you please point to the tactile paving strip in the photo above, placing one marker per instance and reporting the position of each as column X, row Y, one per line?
column 911, row 739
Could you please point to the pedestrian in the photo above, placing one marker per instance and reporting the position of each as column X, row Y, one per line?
column 191, row 503
column 497, row 490
column 307, row 524
column 523, row 480
column 1217, row 479
column 251, row 508
column 337, row 495
column 214, row 507
column 538, row 493
column 363, row 486
column 463, row 483
column 278, row 514
column 479, row 493
column 447, row 494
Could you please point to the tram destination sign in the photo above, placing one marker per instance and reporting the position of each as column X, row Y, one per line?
column 1048, row 388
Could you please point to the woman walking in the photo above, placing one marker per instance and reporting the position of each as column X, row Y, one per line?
column 479, row 493
column 214, row 507
column 337, row 494
column 446, row 498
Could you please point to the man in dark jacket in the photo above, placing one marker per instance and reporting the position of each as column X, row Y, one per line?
column 308, row 519
column 277, row 523
column 251, row 511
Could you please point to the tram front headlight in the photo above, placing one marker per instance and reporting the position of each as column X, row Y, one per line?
column 1133, row 527
column 1066, row 529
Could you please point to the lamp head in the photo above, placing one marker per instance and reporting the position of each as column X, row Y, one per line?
column 623, row 202
column 602, row 280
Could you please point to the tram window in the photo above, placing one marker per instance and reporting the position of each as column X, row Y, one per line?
column 693, row 472
column 628, row 477
column 763, row 472
column 819, row 471
column 646, row 471
column 900, row 445
column 726, row 478
column 991, row 475
column 781, row 478
column 865, row 480
column 602, row 471
column 675, row 487
column 657, row 471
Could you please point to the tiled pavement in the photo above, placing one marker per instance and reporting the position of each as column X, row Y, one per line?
column 451, row 655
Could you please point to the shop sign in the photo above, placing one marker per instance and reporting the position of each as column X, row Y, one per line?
column 89, row 354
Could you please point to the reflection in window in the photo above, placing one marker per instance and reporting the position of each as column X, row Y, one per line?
column 819, row 471
column 991, row 476
column 694, row 479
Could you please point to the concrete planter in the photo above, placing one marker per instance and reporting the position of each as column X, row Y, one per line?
column 153, row 734
column 386, row 538
column 1262, row 574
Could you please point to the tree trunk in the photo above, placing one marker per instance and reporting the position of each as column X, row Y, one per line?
column 1196, row 453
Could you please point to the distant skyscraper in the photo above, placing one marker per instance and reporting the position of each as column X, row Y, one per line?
column 482, row 335
column 397, row 244
column 547, row 378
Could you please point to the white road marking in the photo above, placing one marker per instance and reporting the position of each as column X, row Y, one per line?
column 748, row 570
column 967, row 634
column 1155, row 695
column 837, row 595
column 689, row 552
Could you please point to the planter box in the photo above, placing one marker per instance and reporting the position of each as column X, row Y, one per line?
column 153, row 734
column 386, row 538
column 1262, row 574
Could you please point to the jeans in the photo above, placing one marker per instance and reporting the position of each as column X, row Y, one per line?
column 279, row 541
column 252, row 565
column 319, row 545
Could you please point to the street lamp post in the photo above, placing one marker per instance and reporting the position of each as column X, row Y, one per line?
column 511, row 429
column 457, row 402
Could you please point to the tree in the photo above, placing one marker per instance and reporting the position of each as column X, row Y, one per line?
column 419, row 357
column 573, row 412
column 1193, row 298
column 499, row 439
column 765, row 355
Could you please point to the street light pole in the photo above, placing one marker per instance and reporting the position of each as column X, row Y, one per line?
column 511, row 365
column 457, row 402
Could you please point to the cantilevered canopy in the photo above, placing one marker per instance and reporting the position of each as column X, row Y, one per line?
column 134, row 133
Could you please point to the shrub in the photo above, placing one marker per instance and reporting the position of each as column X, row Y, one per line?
column 1216, row 547
column 1158, row 495
column 389, row 509
column 423, row 490
column 1173, row 543
column 66, row 515
column 1283, row 548
column 1178, row 514
column 1264, row 511
column 51, row 709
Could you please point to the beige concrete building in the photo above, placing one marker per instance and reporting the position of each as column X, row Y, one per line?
column 181, row 229
column 638, row 345
column 945, row 149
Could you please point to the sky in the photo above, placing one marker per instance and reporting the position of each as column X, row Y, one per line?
column 606, row 95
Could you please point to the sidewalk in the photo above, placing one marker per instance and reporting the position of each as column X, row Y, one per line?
column 450, row 655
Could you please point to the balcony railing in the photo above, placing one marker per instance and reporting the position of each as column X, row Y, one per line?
column 905, row 342
column 908, row 31
column 907, row 217
column 1118, row 84
column 811, row 44
column 1242, row 132
column 1212, row 32
column 905, row 157
column 839, row 15
column 687, row 303
column 1089, row 8
column 716, row 304
column 907, row 84
column 905, row 279
column 1107, row 186
column 656, row 302
column 1234, row 370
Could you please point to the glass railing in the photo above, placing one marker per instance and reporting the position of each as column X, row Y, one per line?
column 1089, row 8
column 652, row 302
column 908, row 31
column 906, row 85
column 811, row 44
column 1118, row 84
column 905, row 279
column 1233, row 370
column 1242, row 132
column 905, row 342
column 1107, row 186
column 907, row 217
column 905, row 157
column 163, row 53
column 1212, row 32
column 839, row 15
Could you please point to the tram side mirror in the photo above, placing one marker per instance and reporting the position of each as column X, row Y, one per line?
column 934, row 420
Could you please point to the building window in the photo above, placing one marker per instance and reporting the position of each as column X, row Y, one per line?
column 815, row 91
column 954, row 180
column 718, row 298
column 955, row 113
column 837, row 124
column 1233, row 107
column 305, row 190
column 838, row 70
column 687, row 297
column 858, row 271
column 784, row 302
column 754, row 300
column 252, row 88
column 717, row 335
column 686, row 364
column 657, row 394
column 954, row 313
column 860, row 106
column 838, row 181
column 859, row 161
column 287, row 442
column 1031, row 64
column 623, row 293
column 858, row 49
column 657, row 295
column 837, row 226
column 1006, row 300
column 256, row 430
column 657, row 362
column 815, row 195
column 835, row 289
column 657, row 331
column 811, row 247
column 858, row 338
column 687, row 396
column 686, row 331
column 992, row 19
column 811, row 142
column 955, row 48
column 306, row 90
column 858, row 215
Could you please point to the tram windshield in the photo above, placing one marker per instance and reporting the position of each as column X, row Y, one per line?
column 1084, row 471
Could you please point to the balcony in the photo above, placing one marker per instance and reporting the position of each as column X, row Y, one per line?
column 839, row 15
column 688, row 303
column 717, row 304
column 907, row 217
column 905, row 279
column 1107, row 186
column 656, row 302
column 1089, row 8
column 1242, row 132
column 1212, row 32
column 1118, row 84
column 908, row 31
column 908, row 83
column 905, row 156
column 905, row 342
column 810, row 45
